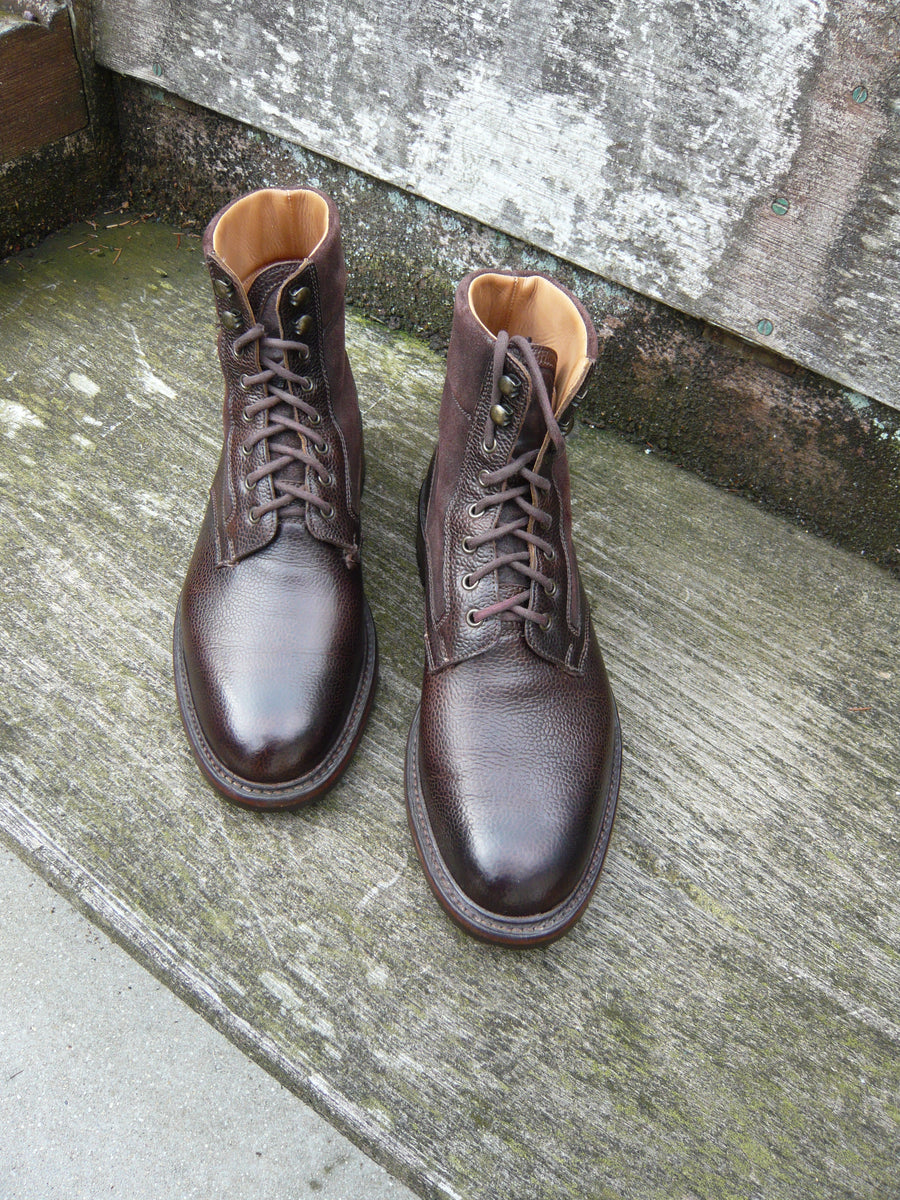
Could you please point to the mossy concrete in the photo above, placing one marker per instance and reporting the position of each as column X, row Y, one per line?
column 723, row 1021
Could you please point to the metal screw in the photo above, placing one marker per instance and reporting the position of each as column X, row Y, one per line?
column 764, row 326
column 780, row 206
column 860, row 94
column 157, row 69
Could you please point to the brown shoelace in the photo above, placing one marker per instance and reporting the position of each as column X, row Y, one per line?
column 515, row 481
column 275, row 375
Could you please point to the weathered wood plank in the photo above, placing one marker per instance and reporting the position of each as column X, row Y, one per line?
column 722, row 1023
column 642, row 142
column 41, row 96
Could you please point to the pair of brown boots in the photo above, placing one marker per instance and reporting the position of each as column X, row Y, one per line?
column 513, row 759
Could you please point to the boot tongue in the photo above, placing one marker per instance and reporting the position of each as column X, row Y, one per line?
column 531, row 435
column 263, row 294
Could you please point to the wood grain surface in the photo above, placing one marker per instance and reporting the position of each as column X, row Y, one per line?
column 646, row 142
column 724, row 1020
column 41, row 95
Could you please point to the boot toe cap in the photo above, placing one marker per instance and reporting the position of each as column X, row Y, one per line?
column 265, row 740
column 518, row 860
column 510, row 790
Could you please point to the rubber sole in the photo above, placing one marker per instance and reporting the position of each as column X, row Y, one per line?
column 494, row 927
column 293, row 792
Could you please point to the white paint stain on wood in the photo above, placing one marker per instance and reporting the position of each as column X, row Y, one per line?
column 15, row 416
column 153, row 383
column 82, row 384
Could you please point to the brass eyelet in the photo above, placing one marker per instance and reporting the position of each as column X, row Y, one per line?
column 482, row 478
column 489, row 449
column 303, row 354
column 250, row 486
column 467, row 546
column 307, row 385
column 253, row 516
column 549, row 624
column 474, row 510
column 244, row 384
column 550, row 555
column 315, row 419
column 324, row 449
column 246, row 416
column 470, row 618
column 328, row 513
column 467, row 583
column 552, row 589
column 246, row 450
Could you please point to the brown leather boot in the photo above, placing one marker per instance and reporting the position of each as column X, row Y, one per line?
column 274, row 645
column 513, row 759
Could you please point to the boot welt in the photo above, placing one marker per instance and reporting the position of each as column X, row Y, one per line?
column 494, row 927
column 292, row 792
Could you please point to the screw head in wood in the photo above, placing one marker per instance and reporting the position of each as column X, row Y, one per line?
column 764, row 326
column 860, row 94
column 780, row 206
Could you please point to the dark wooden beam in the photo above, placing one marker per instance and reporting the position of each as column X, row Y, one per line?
column 41, row 93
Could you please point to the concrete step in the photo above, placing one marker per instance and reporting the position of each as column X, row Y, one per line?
column 113, row 1087
column 723, row 1020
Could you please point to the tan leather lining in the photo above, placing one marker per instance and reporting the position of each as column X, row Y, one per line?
column 273, row 225
column 534, row 307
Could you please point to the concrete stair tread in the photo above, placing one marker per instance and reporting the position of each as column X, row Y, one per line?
column 722, row 1021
